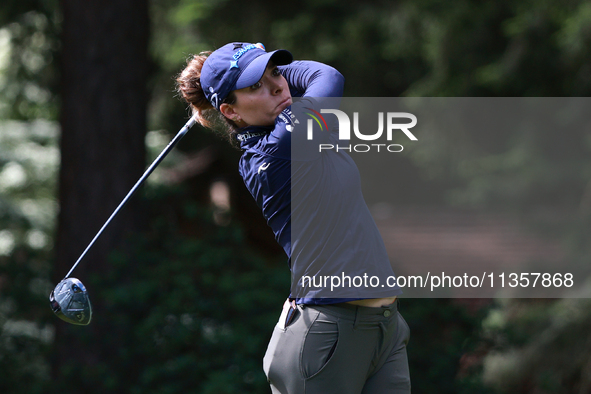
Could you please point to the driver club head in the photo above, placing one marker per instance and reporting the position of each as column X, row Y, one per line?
column 69, row 301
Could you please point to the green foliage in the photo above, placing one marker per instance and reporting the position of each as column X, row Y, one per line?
column 185, row 313
column 26, row 332
column 414, row 48
column 539, row 346
column 542, row 345
column 442, row 332
column 28, row 162
column 29, row 47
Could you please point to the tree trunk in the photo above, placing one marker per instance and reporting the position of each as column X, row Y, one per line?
column 104, row 68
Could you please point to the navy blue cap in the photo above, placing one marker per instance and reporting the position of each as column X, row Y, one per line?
column 236, row 66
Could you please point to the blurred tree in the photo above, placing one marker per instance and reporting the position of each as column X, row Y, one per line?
column 104, row 73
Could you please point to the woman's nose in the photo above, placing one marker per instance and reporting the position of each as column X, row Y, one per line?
column 275, row 86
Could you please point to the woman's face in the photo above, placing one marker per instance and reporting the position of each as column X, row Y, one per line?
column 261, row 103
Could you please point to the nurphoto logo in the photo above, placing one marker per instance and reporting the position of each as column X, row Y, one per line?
column 392, row 122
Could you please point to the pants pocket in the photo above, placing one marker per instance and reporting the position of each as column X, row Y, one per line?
column 319, row 346
column 281, row 362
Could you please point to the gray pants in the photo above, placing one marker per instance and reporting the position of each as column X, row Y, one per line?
column 343, row 348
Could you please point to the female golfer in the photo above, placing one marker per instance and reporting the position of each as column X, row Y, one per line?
column 337, row 332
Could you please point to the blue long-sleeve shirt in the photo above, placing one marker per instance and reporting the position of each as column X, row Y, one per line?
column 312, row 200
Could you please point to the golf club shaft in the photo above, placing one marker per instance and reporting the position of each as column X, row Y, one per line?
column 147, row 173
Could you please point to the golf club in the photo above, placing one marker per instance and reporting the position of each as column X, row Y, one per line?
column 69, row 300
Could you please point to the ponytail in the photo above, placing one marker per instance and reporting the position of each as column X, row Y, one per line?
column 188, row 85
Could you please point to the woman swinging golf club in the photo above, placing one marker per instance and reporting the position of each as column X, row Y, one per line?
column 350, row 340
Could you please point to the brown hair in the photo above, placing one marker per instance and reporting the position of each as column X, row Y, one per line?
column 188, row 85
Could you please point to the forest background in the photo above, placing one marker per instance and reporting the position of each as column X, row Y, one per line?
column 187, row 282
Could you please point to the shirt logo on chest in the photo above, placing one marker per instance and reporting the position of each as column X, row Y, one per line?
column 263, row 167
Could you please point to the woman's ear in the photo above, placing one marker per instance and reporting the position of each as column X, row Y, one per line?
column 228, row 111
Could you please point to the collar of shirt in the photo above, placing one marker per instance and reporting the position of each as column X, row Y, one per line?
column 249, row 135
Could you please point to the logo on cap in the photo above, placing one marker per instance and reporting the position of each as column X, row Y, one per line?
column 214, row 98
column 242, row 51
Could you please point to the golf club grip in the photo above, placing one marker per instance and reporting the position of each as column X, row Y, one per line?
column 147, row 173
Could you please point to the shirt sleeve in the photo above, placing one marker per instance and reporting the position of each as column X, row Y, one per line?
column 308, row 78
column 317, row 86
